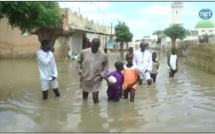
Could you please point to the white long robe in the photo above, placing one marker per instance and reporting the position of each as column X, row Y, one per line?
column 143, row 61
column 46, row 64
column 90, row 65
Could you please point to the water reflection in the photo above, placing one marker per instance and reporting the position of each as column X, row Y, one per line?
column 52, row 116
column 91, row 120
column 130, row 119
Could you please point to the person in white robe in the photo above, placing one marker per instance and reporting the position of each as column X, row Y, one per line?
column 172, row 62
column 93, row 65
column 47, row 69
column 143, row 61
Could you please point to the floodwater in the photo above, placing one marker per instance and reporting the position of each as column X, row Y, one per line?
column 185, row 103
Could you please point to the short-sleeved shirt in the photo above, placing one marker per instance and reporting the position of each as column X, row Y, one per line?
column 155, row 65
column 118, row 76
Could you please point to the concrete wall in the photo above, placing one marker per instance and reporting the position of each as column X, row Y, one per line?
column 208, row 31
column 90, row 36
column 133, row 44
column 184, row 45
column 202, row 57
column 180, row 44
column 103, row 38
column 14, row 45
column 77, row 41
column 85, row 23
column 155, row 46
column 73, row 19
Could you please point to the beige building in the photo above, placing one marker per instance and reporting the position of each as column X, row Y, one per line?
column 83, row 25
column 14, row 45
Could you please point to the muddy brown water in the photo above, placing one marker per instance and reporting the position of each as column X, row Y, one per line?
column 184, row 103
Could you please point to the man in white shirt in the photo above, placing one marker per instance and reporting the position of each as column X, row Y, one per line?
column 143, row 61
column 47, row 69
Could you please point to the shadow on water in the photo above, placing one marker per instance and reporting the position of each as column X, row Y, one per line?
column 183, row 103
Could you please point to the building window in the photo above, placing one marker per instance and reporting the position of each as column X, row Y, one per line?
column 210, row 30
column 203, row 31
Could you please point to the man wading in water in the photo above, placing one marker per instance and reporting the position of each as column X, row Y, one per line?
column 47, row 69
column 172, row 62
column 93, row 66
column 143, row 61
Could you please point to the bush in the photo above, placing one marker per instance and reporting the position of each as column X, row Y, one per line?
column 204, row 38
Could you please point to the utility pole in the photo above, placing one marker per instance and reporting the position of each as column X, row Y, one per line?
column 97, row 15
column 111, row 32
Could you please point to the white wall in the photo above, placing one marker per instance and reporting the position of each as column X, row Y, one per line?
column 90, row 36
column 103, row 41
column 206, row 31
column 194, row 37
column 102, row 38
column 77, row 40
column 133, row 44
column 166, row 41
column 154, row 37
column 176, row 12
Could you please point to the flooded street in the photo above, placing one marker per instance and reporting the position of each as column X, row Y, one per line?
column 185, row 103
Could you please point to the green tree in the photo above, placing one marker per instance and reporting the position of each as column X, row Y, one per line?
column 123, row 34
column 129, row 37
column 158, row 32
column 40, row 18
column 204, row 38
column 175, row 32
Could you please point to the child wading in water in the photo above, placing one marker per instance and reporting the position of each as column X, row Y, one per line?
column 155, row 66
column 114, row 89
column 172, row 62
column 131, row 78
column 131, row 52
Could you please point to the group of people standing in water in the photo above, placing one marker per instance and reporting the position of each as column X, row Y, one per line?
column 93, row 66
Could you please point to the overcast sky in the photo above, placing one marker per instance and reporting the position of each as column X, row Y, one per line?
column 142, row 17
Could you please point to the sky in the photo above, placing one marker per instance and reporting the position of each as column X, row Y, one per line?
column 143, row 18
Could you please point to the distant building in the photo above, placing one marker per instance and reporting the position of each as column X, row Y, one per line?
column 205, row 27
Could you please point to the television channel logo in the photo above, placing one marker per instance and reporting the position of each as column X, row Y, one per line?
column 205, row 14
